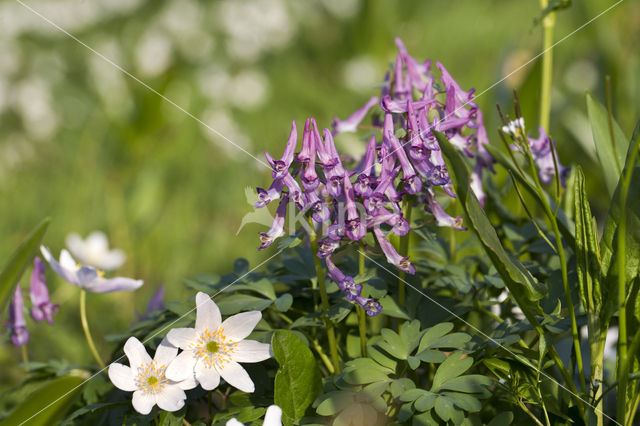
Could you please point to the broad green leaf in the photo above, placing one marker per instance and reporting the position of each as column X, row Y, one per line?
column 381, row 358
column 502, row 419
column 471, row 383
column 398, row 386
column 434, row 333
column 611, row 159
column 334, row 402
column 284, row 302
column 297, row 381
column 391, row 308
column 47, row 404
column 521, row 284
column 393, row 344
column 465, row 401
column 586, row 249
column 453, row 366
column 425, row 402
column 413, row 394
column 362, row 376
column 608, row 243
column 18, row 261
column 235, row 303
column 444, row 408
column 431, row 356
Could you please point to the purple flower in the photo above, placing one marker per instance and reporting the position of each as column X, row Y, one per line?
column 277, row 227
column 42, row 307
column 457, row 98
column 354, row 228
column 327, row 246
column 345, row 282
column 321, row 212
column 442, row 218
column 271, row 194
column 17, row 324
column 392, row 255
column 156, row 303
column 416, row 72
column 281, row 167
column 370, row 306
column 307, row 156
column 351, row 124
column 543, row 157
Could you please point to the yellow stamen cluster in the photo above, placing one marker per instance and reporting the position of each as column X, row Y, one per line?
column 150, row 378
column 214, row 348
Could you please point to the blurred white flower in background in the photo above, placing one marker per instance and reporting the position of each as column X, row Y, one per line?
column 343, row 9
column 153, row 53
column 94, row 251
column 249, row 89
column 222, row 121
column 32, row 99
column 361, row 74
column 581, row 75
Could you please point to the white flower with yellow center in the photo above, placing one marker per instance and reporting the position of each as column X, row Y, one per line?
column 273, row 417
column 214, row 348
column 94, row 251
column 146, row 377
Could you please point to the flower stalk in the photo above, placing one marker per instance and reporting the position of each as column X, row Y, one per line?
column 362, row 318
column 324, row 298
column 548, row 24
column 85, row 327
column 404, row 252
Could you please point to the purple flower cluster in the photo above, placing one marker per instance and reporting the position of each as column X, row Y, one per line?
column 402, row 162
column 541, row 150
column 42, row 308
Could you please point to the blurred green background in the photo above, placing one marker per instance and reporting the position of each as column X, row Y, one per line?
column 87, row 145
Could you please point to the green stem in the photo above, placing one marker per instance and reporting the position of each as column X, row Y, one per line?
column 529, row 413
column 404, row 251
column 553, row 221
column 25, row 355
column 596, row 348
column 323, row 357
column 623, row 356
column 362, row 318
column 548, row 23
column 324, row 297
column 85, row 327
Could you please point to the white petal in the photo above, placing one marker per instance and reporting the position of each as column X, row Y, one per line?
column 66, row 274
column 208, row 378
column 251, row 351
column 122, row 377
column 96, row 242
column 165, row 353
column 66, row 261
column 183, row 338
column 171, row 398
column 136, row 353
column 188, row 383
column 239, row 326
column 143, row 402
column 112, row 260
column 207, row 313
column 273, row 417
column 113, row 284
column 75, row 244
column 234, row 422
column 236, row 376
column 181, row 368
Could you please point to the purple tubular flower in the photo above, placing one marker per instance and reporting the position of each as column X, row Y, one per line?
column 327, row 246
column 476, row 182
column 483, row 140
column 442, row 218
column 351, row 124
column 321, row 212
column 418, row 151
column 345, row 282
column 333, row 170
column 428, row 138
column 401, row 91
column 392, row 255
column 39, row 294
column 336, row 231
column 457, row 98
column 389, row 104
column 156, row 303
column 309, row 177
column 543, row 157
column 17, row 324
column 370, row 306
column 277, row 227
column 400, row 225
column 269, row 195
column 354, row 228
column 363, row 186
column 413, row 184
column 295, row 193
column 416, row 72
column 281, row 167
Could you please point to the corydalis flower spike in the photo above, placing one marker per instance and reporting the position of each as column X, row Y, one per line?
column 281, row 167
column 392, row 255
column 351, row 124
column 370, row 306
column 442, row 218
column 271, row 194
column 309, row 176
column 354, row 228
column 39, row 294
column 17, row 324
column 277, row 227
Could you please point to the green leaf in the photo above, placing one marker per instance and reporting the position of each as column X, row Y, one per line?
column 433, row 334
column 284, row 302
column 452, row 367
column 393, row 344
column 334, row 402
column 608, row 243
column 502, row 419
column 521, row 284
column 471, row 383
column 363, row 376
column 425, row 402
column 297, row 381
column 611, row 159
column 444, row 408
column 46, row 405
column 18, row 261
column 391, row 308
column 586, row 249
column 235, row 303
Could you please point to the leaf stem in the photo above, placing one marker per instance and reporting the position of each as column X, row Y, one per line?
column 25, row 355
column 324, row 297
column 325, row 359
column 548, row 24
column 404, row 251
column 85, row 327
column 362, row 318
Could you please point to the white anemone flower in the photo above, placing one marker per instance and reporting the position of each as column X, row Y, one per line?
column 214, row 348
column 87, row 277
column 146, row 377
column 273, row 417
column 94, row 251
